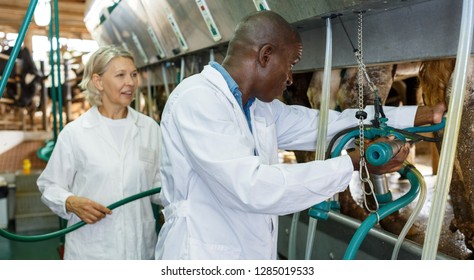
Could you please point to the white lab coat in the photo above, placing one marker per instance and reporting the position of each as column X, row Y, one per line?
column 86, row 162
column 223, row 187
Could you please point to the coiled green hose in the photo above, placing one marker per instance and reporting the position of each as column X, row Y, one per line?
column 35, row 238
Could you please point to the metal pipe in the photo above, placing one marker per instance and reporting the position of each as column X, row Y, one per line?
column 380, row 183
column 67, row 83
column 183, row 68
column 165, row 79
column 148, row 83
column 211, row 55
column 58, row 61
column 16, row 48
column 292, row 238
column 137, row 99
column 53, row 80
column 44, row 98
column 450, row 137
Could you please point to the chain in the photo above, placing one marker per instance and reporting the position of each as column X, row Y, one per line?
column 361, row 72
column 359, row 55
column 360, row 84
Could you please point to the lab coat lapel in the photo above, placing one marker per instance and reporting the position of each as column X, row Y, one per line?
column 215, row 78
column 132, row 130
column 264, row 132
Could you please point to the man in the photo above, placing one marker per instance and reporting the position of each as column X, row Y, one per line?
column 223, row 188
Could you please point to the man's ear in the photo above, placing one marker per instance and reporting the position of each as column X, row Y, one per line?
column 264, row 54
column 97, row 80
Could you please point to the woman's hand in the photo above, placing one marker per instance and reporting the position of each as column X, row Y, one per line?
column 87, row 210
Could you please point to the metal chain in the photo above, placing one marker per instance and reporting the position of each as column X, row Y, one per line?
column 360, row 84
column 359, row 55
column 363, row 170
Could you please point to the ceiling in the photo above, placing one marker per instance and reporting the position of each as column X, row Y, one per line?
column 71, row 18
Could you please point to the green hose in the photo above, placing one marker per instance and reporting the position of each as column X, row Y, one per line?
column 35, row 238
column 384, row 211
column 16, row 48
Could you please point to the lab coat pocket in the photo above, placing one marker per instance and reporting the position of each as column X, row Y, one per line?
column 199, row 250
column 147, row 158
column 147, row 155
column 147, row 166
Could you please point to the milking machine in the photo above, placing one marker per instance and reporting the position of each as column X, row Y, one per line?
column 381, row 152
column 378, row 153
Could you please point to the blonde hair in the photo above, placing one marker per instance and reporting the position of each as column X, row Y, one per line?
column 97, row 64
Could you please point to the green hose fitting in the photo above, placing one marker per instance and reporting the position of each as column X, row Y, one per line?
column 382, row 152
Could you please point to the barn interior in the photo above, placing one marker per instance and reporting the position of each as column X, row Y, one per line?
column 410, row 51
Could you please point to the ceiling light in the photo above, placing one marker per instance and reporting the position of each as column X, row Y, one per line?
column 42, row 14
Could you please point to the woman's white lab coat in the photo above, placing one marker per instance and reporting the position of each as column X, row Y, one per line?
column 223, row 188
column 86, row 162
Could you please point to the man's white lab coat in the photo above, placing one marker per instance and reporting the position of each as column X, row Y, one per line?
column 223, row 187
column 86, row 162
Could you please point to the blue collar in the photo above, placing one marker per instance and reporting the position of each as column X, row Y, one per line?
column 234, row 89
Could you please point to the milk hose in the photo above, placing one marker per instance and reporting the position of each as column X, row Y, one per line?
column 414, row 214
column 35, row 238
column 414, row 174
column 322, row 126
column 451, row 134
column 320, row 145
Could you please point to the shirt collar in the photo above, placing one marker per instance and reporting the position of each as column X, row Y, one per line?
column 233, row 87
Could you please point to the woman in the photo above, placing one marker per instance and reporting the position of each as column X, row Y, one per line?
column 107, row 154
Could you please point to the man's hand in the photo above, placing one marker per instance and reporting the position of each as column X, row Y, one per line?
column 395, row 164
column 87, row 210
column 430, row 114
